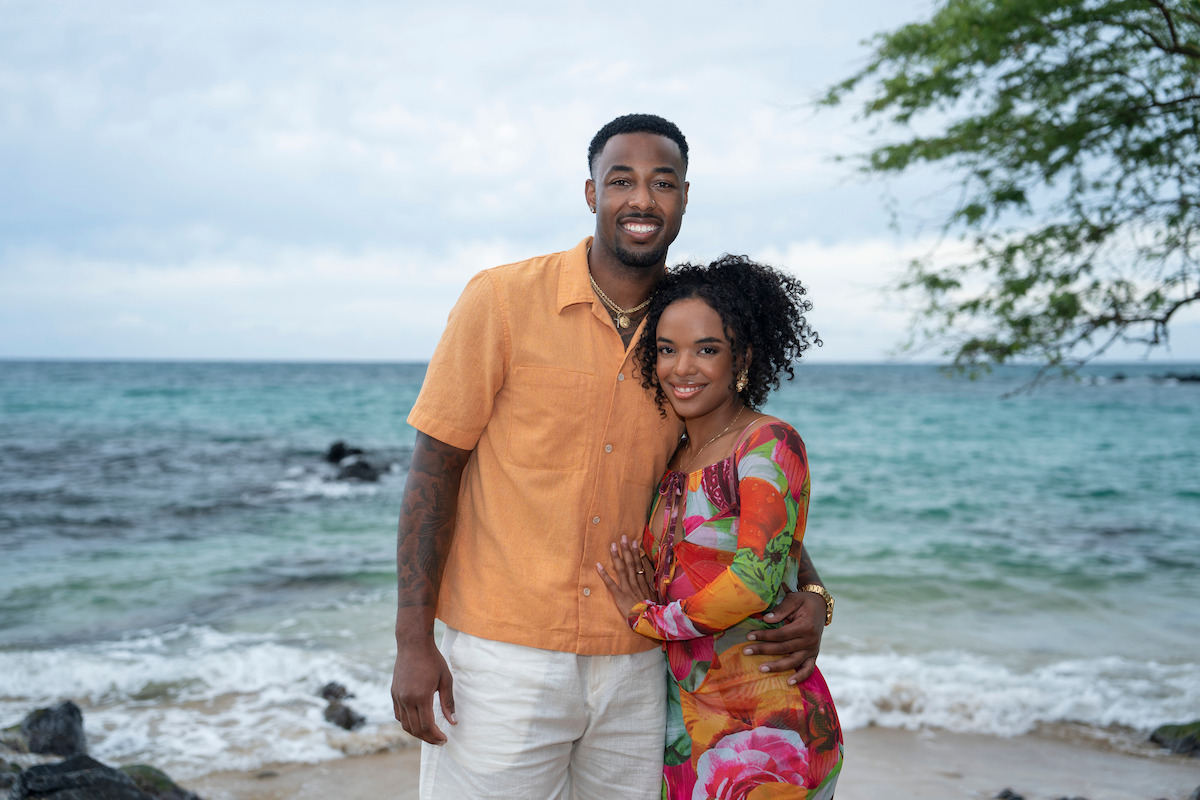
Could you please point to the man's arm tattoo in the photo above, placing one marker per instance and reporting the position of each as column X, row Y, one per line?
column 427, row 520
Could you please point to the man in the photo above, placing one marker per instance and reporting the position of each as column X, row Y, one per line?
column 538, row 447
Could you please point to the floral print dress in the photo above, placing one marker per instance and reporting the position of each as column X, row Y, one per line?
column 728, row 550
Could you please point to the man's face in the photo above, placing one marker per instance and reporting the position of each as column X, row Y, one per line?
column 639, row 193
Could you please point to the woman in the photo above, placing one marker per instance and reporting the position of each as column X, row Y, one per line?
column 723, row 538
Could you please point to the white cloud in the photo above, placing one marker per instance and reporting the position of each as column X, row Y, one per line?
column 320, row 183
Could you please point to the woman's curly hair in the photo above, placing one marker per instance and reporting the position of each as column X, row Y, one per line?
column 761, row 309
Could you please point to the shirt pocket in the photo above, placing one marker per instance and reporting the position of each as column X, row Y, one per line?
column 550, row 418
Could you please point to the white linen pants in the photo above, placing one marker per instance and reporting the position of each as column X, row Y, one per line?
column 544, row 725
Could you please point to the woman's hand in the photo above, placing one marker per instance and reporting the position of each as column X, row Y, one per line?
column 630, row 581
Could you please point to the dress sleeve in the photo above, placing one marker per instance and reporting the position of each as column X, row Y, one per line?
column 773, row 486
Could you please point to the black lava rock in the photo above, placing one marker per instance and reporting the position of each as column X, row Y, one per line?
column 358, row 470
column 77, row 778
column 339, row 451
column 1179, row 738
column 8, row 773
column 157, row 784
column 343, row 716
column 334, row 691
column 57, row 730
column 1009, row 794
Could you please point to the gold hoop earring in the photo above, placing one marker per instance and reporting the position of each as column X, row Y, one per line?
column 743, row 380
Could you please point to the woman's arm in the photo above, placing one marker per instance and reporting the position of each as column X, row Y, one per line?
column 773, row 488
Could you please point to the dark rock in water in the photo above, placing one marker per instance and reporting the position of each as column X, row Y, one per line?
column 57, row 730
column 8, row 774
column 1181, row 377
column 357, row 470
column 1179, row 738
column 77, row 778
column 1070, row 798
column 339, row 451
column 12, row 740
column 1009, row 794
column 341, row 715
column 1195, row 795
column 157, row 784
column 334, row 691
column 1118, row 376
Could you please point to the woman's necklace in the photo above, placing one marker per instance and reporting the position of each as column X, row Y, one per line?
column 696, row 455
column 623, row 314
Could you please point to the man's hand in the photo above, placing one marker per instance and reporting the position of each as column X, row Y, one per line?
column 419, row 672
column 422, row 542
column 798, row 640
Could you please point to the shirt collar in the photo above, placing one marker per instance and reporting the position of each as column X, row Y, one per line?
column 573, row 284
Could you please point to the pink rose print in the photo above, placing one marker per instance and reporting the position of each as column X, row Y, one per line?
column 741, row 761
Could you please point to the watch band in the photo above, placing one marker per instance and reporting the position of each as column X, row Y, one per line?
column 818, row 589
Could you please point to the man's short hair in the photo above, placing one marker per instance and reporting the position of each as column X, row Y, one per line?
column 636, row 123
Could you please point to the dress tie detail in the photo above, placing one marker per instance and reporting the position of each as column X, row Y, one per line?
column 673, row 485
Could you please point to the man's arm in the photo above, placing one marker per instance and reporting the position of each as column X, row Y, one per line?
column 422, row 543
column 798, row 640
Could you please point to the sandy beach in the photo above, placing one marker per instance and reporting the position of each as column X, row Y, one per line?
column 880, row 763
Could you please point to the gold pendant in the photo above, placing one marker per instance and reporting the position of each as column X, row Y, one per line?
column 622, row 321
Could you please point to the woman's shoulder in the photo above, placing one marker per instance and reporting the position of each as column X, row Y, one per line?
column 767, row 430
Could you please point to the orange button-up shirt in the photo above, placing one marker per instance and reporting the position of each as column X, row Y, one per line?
column 568, row 447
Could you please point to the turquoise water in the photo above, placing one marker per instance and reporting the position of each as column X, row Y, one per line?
column 176, row 555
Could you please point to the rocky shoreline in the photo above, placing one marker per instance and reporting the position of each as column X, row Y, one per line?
column 46, row 756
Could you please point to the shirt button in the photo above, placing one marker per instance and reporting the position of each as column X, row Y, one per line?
column 608, row 448
column 587, row 592
column 620, row 376
column 595, row 520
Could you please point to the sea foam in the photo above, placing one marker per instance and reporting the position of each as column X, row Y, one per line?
column 194, row 700
column 969, row 693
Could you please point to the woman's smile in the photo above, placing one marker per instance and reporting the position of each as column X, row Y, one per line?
column 695, row 361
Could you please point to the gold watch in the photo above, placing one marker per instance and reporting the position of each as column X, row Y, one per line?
column 818, row 589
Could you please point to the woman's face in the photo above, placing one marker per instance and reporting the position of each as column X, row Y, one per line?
column 695, row 360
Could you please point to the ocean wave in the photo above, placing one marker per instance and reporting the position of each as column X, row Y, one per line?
column 308, row 486
column 194, row 700
column 971, row 694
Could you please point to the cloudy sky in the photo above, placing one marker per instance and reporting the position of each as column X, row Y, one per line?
column 318, row 180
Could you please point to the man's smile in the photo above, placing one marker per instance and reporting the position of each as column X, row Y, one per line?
column 640, row 226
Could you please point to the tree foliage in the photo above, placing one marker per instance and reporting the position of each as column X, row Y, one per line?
column 1073, row 127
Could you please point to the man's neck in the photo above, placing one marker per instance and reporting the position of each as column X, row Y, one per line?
column 625, row 285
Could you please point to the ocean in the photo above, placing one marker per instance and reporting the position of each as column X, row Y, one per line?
column 178, row 558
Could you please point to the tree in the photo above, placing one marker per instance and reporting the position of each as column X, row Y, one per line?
column 1072, row 128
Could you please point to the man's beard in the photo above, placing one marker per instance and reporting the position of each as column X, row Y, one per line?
column 641, row 259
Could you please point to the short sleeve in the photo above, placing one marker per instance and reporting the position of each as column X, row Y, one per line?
column 467, row 369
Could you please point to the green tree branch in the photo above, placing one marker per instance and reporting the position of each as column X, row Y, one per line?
column 1074, row 128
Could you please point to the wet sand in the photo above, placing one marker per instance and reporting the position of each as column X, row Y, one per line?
column 880, row 764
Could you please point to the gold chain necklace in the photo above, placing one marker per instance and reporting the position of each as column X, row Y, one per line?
column 692, row 460
column 623, row 314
